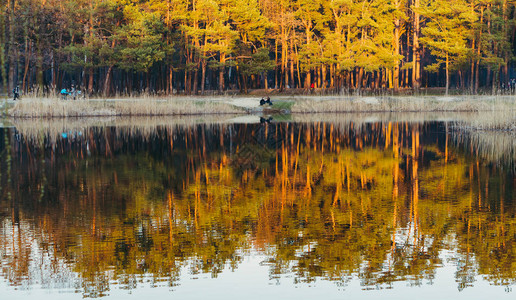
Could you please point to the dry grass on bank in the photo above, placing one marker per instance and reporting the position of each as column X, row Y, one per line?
column 50, row 108
column 167, row 108
column 471, row 113
column 47, row 108
column 406, row 104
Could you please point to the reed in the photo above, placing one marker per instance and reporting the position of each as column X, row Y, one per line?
column 174, row 107
column 50, row 108
column 404, row 104
column 153, row 106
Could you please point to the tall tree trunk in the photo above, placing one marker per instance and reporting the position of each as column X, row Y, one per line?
column 505, row 71
column 170, row 80
column 488, row 77
column 221, row 72
column 285, row 64
column 195, row 81
column 496, row 73
column 319, row 77
column 397, row 48
column 447, row 74
column 298, row 69
column 359, row 79
column 107, row 82
column 245, row 83
column 292, row 77
column 308, row 80
column 352, row 79
column 416, row 80
column 276, row 61
column 186, row 88
column 39, row 67
column 203, row 75
column 332, row 75
column 52, row 70
column 472, row 76
column 240, row 77
column 189, row 83
column 28, row 49
column 477, row 64
column 324, row 75
column 505, row 31
column 477, row 76
column 12, row 48
column 90, row 81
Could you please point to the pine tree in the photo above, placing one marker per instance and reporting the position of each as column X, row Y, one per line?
column 258, row 64
column 448, row 25
column 309, row 14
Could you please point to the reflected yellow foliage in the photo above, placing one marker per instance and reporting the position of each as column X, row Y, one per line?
column 379, row 201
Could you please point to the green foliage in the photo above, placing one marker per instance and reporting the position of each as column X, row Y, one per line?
column 258, row 63
column 446, row 32
column 141, row 39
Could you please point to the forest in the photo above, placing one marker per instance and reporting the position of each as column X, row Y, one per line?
column 162, row 47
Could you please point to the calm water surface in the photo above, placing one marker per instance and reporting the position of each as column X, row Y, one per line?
column 230, row 211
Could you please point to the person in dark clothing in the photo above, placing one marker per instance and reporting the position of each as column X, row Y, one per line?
column 16, row 93
column 73, row 92
column 263, row 101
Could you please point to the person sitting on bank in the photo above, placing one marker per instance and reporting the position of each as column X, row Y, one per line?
column 263, row 101
column 16, row 93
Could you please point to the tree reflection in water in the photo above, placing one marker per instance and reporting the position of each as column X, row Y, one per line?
column 378, row 201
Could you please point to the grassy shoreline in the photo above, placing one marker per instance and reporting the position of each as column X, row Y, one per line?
column 54, row 108
column 407, row 104
column 182, row 106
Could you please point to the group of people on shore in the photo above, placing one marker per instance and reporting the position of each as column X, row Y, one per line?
column 265, row 101
column 73, row 92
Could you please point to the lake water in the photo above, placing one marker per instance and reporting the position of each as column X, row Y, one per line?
column 279, row 210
